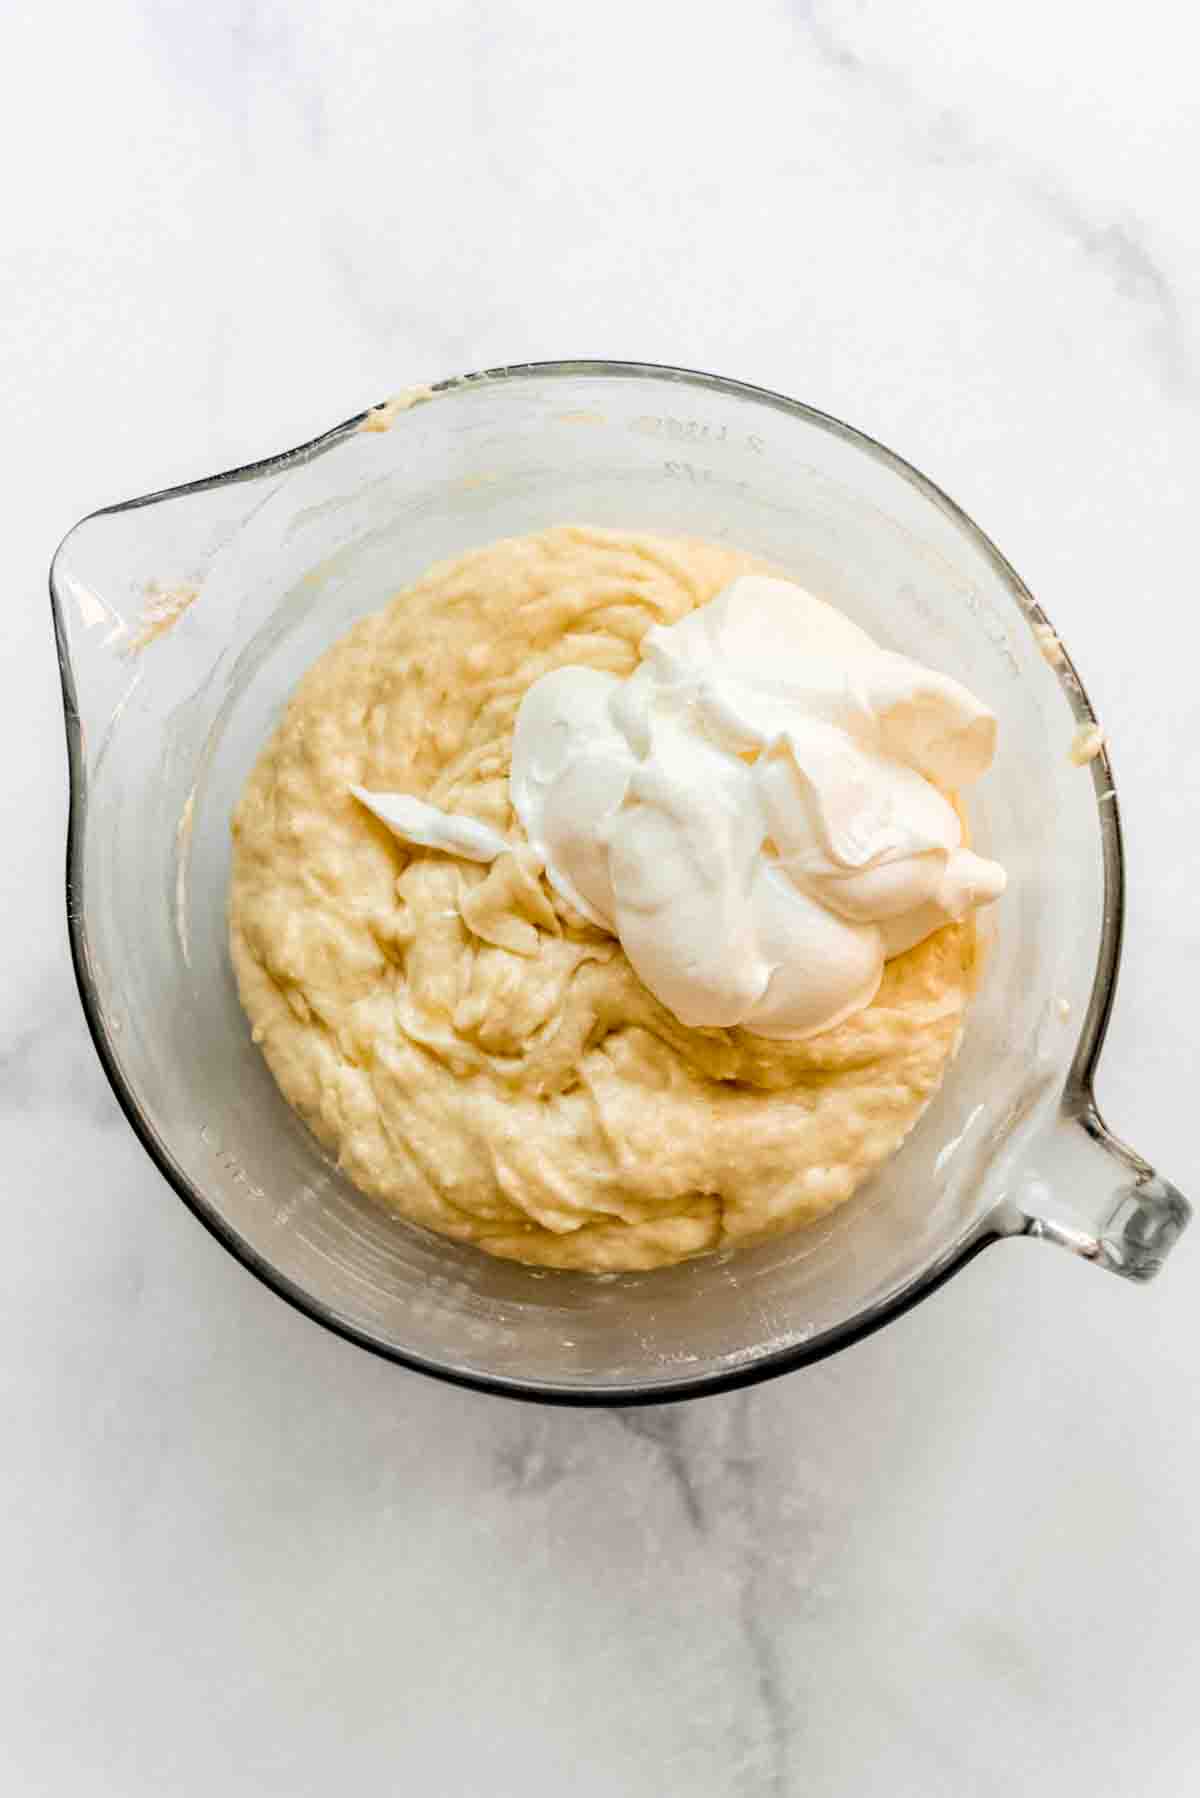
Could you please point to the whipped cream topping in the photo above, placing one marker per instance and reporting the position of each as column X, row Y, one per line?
column 758, row 812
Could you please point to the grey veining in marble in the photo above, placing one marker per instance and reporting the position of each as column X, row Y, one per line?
column 238, row 1556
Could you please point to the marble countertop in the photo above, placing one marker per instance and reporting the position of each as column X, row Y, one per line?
column 238, row 1555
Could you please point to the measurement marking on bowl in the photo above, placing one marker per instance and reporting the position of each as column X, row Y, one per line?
column 230, row 1162
column 694, row 430
column 700, row 477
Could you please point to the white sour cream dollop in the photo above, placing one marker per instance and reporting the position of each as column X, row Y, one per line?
column 757, row 812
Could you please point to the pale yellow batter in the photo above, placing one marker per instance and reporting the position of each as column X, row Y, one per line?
column 476, row 1054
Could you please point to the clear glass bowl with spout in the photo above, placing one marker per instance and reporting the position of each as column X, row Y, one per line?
column 184, row 619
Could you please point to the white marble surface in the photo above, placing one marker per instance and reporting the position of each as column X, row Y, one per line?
column 237, row 1555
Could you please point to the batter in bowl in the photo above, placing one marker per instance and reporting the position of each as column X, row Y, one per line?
column 446, row 992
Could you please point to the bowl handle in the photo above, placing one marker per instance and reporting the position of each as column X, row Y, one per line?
column 1087, row 1191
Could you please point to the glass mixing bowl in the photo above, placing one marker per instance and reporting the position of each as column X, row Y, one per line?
column 183, row 621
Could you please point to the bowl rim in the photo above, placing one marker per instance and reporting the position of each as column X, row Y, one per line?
column 991, row 1228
